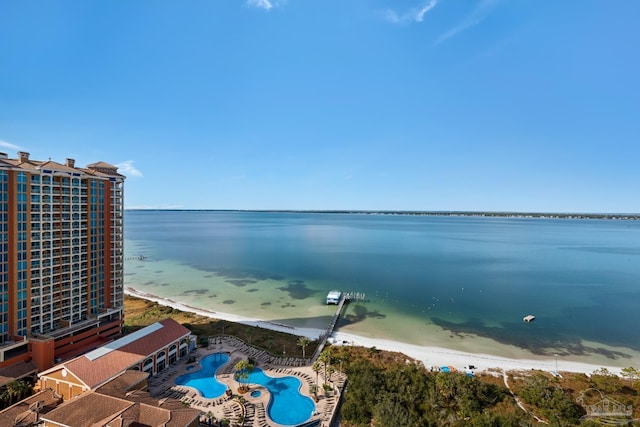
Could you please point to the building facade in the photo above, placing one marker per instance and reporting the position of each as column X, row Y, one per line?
column 61, row 258
column 149, row 350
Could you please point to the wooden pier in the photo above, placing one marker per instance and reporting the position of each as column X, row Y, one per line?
column 344, row 299
column 355, row 296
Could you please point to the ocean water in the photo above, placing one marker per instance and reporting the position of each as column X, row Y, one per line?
column 459, row 282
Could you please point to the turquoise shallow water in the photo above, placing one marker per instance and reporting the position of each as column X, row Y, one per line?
column 468, row 276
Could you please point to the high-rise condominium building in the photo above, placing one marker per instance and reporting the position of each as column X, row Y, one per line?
column 61, row 258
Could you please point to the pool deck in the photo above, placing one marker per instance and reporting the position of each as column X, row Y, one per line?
column 251, row 410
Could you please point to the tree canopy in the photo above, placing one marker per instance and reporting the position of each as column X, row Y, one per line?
column 409, row 395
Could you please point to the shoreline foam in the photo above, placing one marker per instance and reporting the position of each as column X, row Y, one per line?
column 430, row 356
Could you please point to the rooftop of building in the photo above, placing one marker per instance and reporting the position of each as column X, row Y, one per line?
column 124, row 384
column 26, row 412
column 100, row 365
column 23, row 161
column 87, row 410
column 17, row 371
column 97, row 409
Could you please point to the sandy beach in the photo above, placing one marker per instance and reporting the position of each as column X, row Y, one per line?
column 430, row 356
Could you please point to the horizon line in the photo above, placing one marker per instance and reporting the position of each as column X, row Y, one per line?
column 405, row 212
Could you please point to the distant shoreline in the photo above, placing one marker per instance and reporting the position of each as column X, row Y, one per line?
column 549, row 215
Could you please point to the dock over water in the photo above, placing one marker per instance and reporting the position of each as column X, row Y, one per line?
column 345, row 297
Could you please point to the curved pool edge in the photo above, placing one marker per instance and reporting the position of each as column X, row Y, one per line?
column 198, row 372
column 302, row 396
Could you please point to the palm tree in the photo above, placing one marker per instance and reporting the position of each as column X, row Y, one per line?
column 303, row 342
column 243, row 369
column 10, row 392
column 5, row 398
column 316, row 369
column 313, row 388
column 330, row 370
column 16, row 390
column 325, row 358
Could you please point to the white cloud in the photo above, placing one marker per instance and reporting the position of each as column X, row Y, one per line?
column 10, row 146
column 476, row 16
column 412, row 15
column 426, row 8
column 260, row 4
column 126, row 168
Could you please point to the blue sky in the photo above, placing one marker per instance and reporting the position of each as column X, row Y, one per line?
column 361, row 104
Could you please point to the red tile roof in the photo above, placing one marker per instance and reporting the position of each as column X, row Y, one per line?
column 24, row 411
column 17, row 371
column 104, row 165
column 88, row 409
column 124, row 384
column 95, row 372
column 98, row 410
column 51, row 165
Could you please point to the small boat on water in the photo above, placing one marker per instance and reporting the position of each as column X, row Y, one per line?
column 529, row 318
column 334, row 297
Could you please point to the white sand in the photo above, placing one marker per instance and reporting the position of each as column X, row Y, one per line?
column 437, row 356
column 428, row 355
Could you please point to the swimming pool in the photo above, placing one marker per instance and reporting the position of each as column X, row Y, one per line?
column 205, row 380
column 286, row 406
